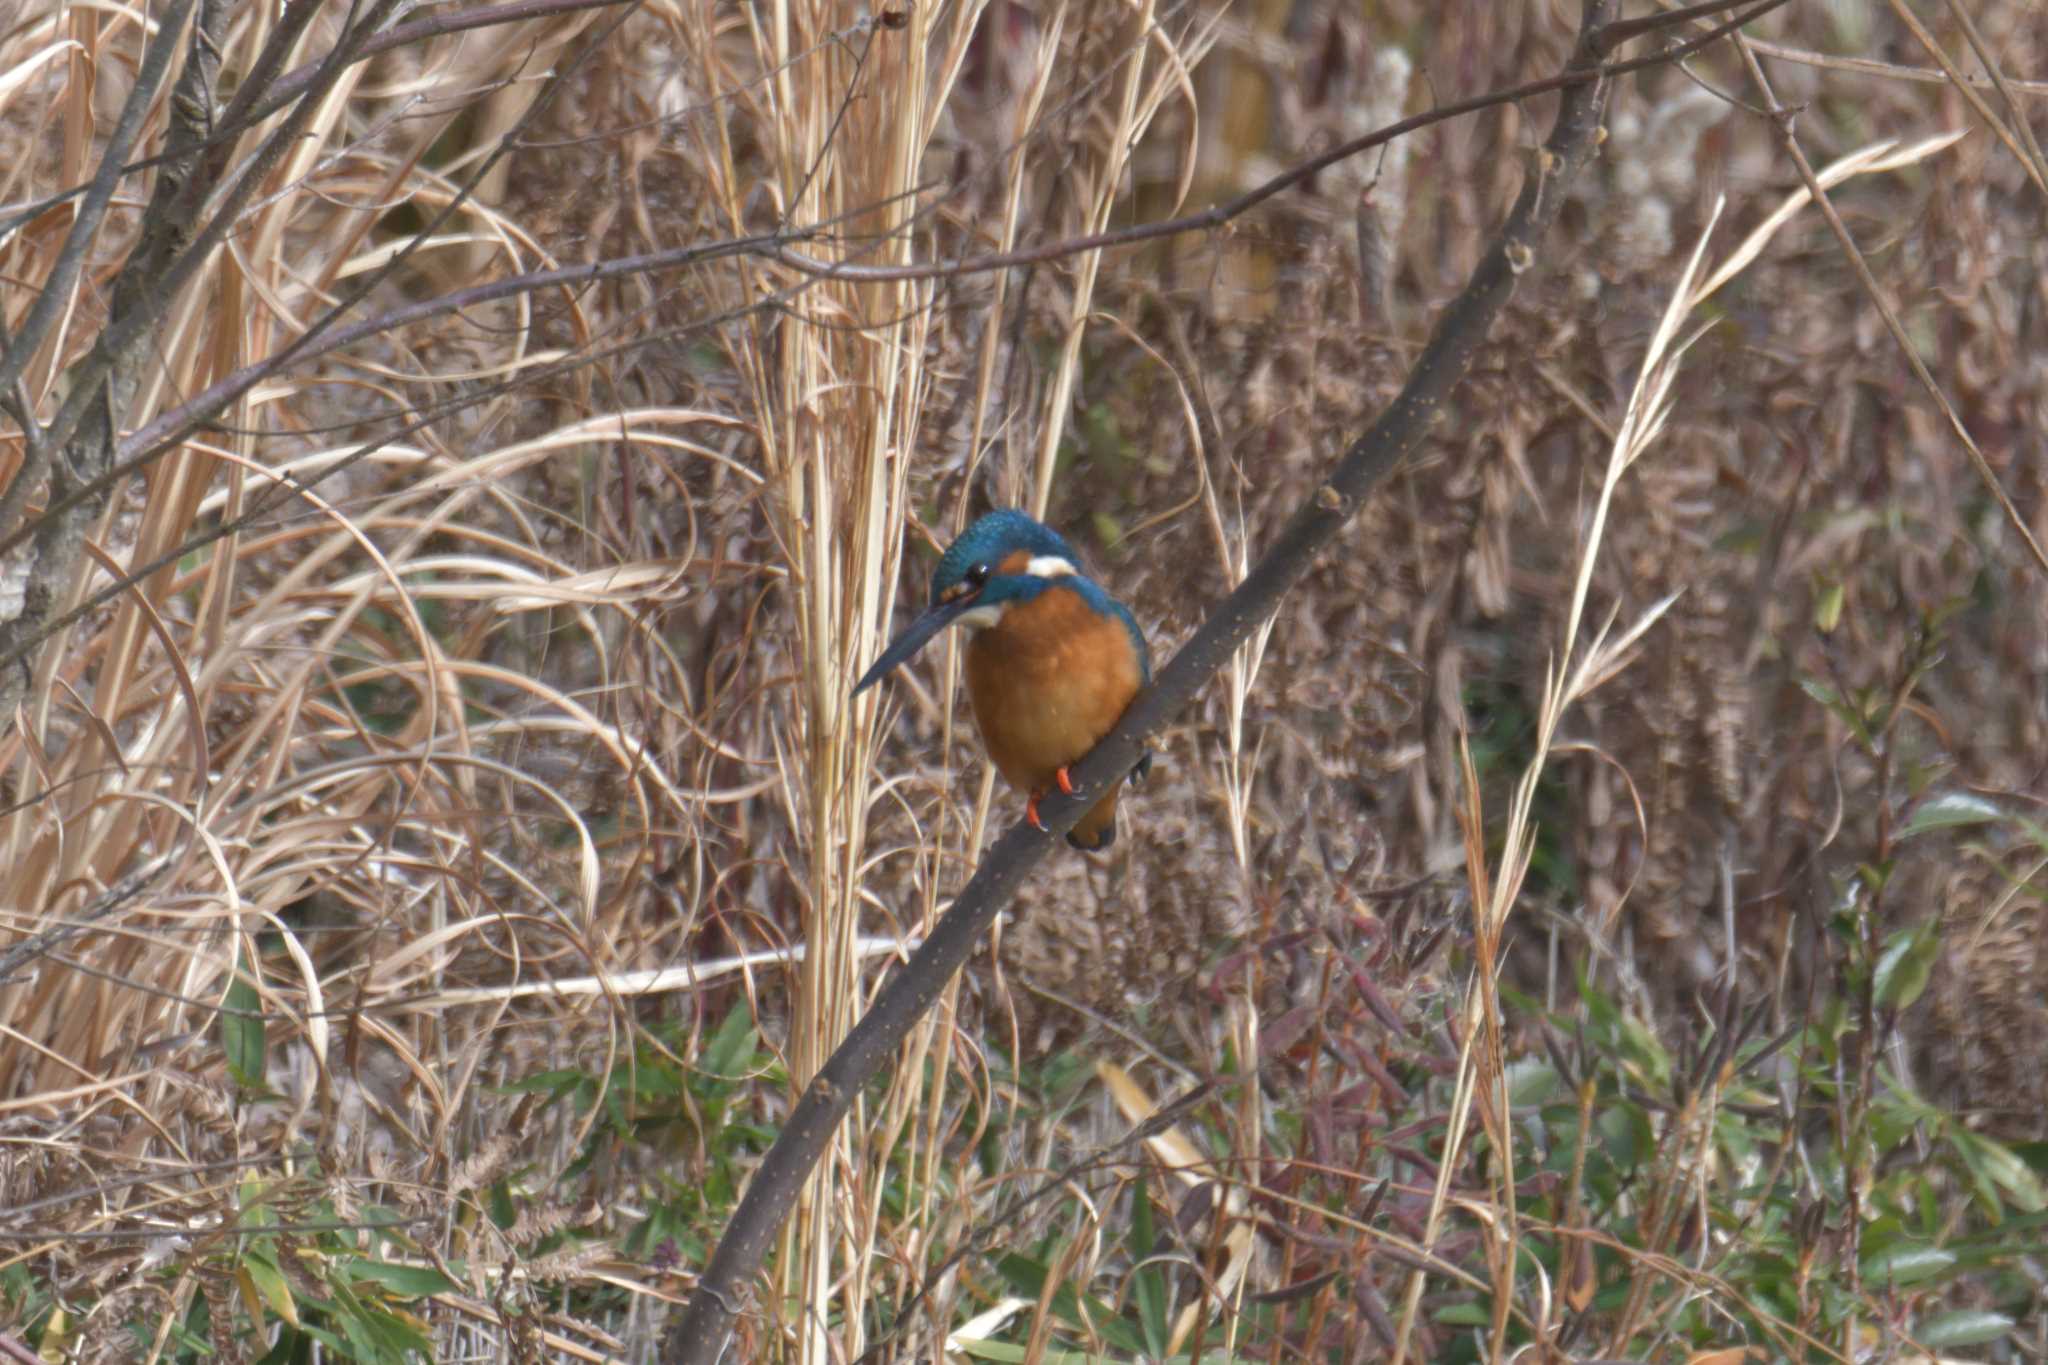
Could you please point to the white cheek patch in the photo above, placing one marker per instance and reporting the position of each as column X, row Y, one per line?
column 981, row 618
column 1048, row 566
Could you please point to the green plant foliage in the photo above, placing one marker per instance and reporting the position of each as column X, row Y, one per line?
column 1907, row 964
column 354, row 1287
column 1082, row 1312
column 242, row 1036
column 1149, row 1288
column 699, row 1107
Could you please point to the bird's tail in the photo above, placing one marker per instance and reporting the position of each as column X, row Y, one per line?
column 1097, row 829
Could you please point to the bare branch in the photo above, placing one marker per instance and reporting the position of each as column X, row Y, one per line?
column 1217, row 215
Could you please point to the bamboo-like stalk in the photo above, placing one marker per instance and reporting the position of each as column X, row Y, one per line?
column 839, row 387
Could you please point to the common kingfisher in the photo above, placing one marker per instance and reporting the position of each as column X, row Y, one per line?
column 1052, row 664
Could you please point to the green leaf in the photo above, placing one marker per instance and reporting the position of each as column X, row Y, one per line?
column 555, row 1083
column 1068, row 1305
column 1907, row 1263
column 271, row 1285
column 352, row 1317
column 1964, row 1327
column 1840, row 708
column 1827, row 611
column 291, row 1346
column 1645, row 1051
column 1907, row 964
column 1998, row 1165
column 1532, row 1081
column 1148, row 1282
column 730, row 1053
column 407, row 1281
column 997, row 1350
column 1950, row 810
column 241, row 1027
column 1625, row 1134
column 372, row 1333
column 331, row 1340
column 1465, row 1315
column 498, row 1202
column 1026, row 1274
column 2035, row 1154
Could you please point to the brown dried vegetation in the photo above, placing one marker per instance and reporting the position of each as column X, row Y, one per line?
column 445, row 757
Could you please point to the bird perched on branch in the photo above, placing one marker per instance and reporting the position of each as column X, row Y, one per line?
column 1053, row 662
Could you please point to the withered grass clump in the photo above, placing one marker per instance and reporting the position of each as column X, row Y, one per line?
column 422, row 900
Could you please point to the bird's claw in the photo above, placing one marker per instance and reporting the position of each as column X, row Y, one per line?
column 1031, row 812
column 1066, row 782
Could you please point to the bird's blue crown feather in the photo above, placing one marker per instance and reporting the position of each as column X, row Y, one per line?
column 999, row 534
column 993, row 537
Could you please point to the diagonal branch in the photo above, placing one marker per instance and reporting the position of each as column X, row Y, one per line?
column 700, row 1335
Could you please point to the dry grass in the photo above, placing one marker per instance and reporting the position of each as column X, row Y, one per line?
column 507, row 775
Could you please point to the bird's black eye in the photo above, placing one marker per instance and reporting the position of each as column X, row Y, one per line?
column 976, row 575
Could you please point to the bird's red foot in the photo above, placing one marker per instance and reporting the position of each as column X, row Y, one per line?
column 1031, row 810
column 1066, row 783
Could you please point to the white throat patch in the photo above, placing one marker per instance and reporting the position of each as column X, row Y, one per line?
column 982, row 617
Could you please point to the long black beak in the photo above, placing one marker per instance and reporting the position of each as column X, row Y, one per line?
column 915, row 637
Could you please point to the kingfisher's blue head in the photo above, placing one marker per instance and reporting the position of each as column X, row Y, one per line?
column 1002, row 560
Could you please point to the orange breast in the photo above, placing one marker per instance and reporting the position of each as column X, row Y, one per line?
column 1048, row 681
